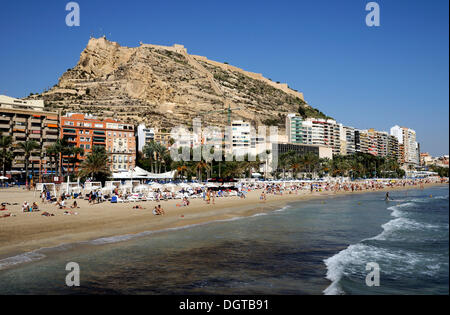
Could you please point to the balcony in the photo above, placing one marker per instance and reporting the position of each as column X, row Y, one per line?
column 34, row 136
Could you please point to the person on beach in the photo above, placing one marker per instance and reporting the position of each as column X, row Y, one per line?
column 74, row 205
column 25, row 207
column 208, row 196
column 263, row 196
column 35, row 207
column 161, row 210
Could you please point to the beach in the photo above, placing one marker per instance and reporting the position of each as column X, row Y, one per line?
column 25, row 232
column 311, row 245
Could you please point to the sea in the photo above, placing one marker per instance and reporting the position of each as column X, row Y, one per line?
column 320, row 246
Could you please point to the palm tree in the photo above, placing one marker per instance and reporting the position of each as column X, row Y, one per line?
column 295, row 164
column 5, row 143
column 95, row 163
column 149, row 151
column 160, row 152
column 284, row 162
column 28, row 146
column 75, row 152
column 198, row 167
column 62, row 148
column 52, row 153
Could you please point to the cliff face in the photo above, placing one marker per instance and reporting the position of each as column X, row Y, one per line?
column 165, row 86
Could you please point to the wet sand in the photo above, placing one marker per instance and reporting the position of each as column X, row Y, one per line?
column 25, row 232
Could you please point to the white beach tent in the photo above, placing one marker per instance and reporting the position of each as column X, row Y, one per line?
column 139, row 173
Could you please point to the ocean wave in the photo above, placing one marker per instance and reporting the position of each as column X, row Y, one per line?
column 392, row 228
column 21, row 259
column 282, row 209
column 396, row 262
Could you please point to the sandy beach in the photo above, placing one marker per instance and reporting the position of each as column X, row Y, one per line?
column 24, row 232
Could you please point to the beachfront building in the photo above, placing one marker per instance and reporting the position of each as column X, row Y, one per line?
column 240, row 140
column 382, row 143
column 314, row 131
column 393, row 148
column 407, row 138
column 86, row 131
column 28, row 120
column 144, row 135
column 426, row 159
column 361, row 141
column 163, row 137
column 349, row 135
column 302, row 149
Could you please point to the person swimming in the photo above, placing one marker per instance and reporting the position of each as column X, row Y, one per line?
column 387, row 198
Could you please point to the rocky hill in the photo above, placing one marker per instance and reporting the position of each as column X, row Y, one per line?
column 165, row 86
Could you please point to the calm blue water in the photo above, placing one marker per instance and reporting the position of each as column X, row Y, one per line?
column 310, row 247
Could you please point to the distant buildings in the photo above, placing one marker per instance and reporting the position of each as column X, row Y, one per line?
column 28, row 120
column 400, row 144
column 427, row 160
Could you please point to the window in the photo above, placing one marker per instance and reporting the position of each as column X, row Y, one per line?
column 82, row 146
column 88, row 146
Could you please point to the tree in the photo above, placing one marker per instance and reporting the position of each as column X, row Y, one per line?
column 74, row 159
column 199, row 167
column 95, row 164
column 5, row 144
column 28, row 147
column 149, row 152
column 62, row 148
column 52, row 153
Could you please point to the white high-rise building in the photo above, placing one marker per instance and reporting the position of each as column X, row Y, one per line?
column 407, row 138
column 144, row 136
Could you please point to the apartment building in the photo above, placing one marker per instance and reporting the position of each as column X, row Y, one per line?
column 240, row 140
column 407, row 138
column 144, row 135
column 350, row 142
column 314, row 131
column 28, row 120
column 86, row 131
column 393, row 148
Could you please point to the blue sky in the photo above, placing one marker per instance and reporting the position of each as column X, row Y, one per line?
column 364, row 77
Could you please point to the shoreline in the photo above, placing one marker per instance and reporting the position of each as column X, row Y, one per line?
column 31, row 232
